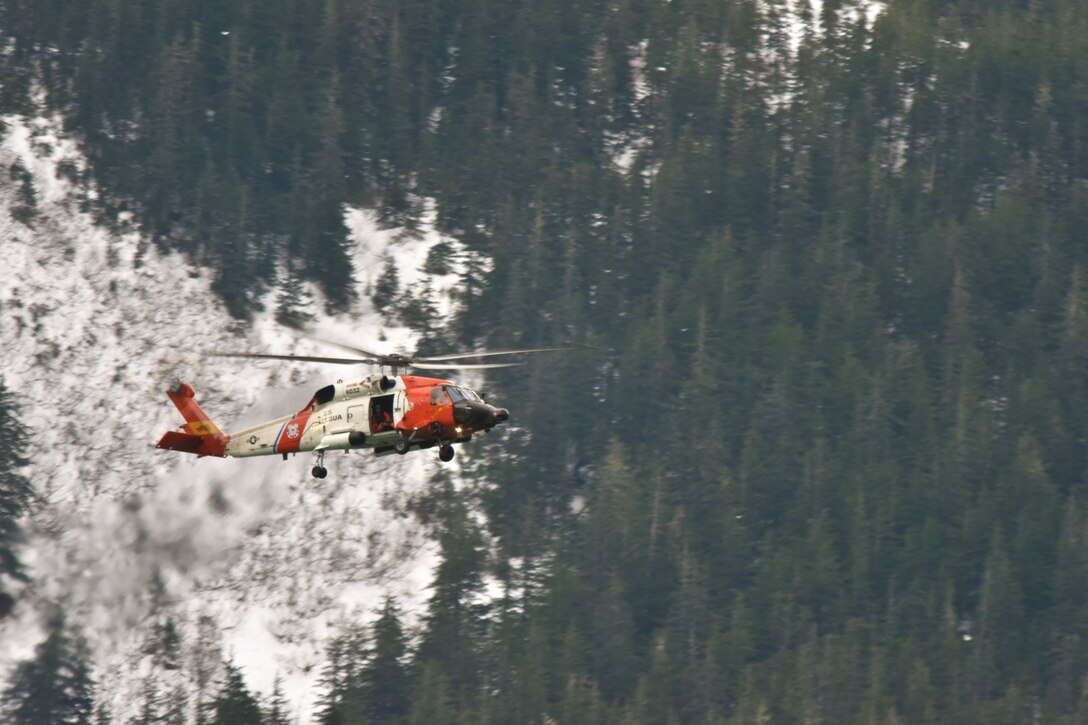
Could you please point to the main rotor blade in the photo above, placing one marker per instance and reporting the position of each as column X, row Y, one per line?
column 490, row 353
column 466, row 366
column 350, row 348
column 301, row 358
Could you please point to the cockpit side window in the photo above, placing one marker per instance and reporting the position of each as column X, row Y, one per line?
column 438, row 396
column 454, row 393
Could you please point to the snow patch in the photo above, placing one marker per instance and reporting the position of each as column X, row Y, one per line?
column 95, row 323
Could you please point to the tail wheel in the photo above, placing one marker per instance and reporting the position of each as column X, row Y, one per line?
column 319, row 471
column 400, row 446
column 445, row 453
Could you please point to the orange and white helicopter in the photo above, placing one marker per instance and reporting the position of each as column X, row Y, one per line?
column 387, row 413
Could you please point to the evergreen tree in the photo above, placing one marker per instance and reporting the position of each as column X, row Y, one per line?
column 277, row 709
column 153, row 703
column 235, row 705
column 342, row 700
column 386, row 289
column 16, row 490
column 384, row 677
column 828, row 461
column 453, row 631
column 291, row 303
column 54, row 686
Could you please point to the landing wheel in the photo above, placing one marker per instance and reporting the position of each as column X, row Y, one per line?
column 319, row 471
column 445, row 453
column 400, row 446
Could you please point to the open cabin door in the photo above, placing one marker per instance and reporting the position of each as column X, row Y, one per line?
column 381, row 413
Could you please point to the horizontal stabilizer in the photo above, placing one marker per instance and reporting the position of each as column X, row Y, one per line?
column 185, row 442
column 202, row 445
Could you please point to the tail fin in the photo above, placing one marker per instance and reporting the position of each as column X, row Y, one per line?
column 201, row 435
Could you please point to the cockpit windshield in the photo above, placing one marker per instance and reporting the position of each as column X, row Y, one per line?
column 459, row 394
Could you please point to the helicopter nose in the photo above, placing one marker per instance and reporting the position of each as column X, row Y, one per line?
column 471, row 413
column 478, row 415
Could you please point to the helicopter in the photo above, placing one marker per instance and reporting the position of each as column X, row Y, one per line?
column 388, row 413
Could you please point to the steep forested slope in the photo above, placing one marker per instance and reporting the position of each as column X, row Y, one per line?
column 826, row 455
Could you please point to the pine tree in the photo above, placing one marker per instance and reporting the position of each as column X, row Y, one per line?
column 235, row 705
column 16, row 490
column 431, row 700
column 841, row 277
column 454, row 621
column 341, row 701
column 153, row 705
column 55, row 686
column 205, row 666
column 386, row 289
column 277, row 709
column 164, row 645
column 292, row 301
column 384, row 678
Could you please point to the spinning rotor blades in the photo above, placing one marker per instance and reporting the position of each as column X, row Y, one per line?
column 385, row 361
column 466, row 366
column 435, row 362
column 489, row 353
column 302, row 358
column 428, row 361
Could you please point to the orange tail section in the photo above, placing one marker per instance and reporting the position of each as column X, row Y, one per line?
column 200, row 435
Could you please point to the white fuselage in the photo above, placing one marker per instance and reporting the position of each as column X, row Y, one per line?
column 328, row 421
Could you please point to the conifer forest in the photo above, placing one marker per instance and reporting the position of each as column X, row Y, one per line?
column 820, row 454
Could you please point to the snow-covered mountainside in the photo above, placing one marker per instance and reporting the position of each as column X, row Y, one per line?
column 95, row 323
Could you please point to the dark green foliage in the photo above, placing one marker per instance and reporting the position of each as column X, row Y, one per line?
column 384, row 677
column 386, row 292
column 26, row 205
column 824, row 455
column 277, row 710
column 291, row 301
column 455, row 617
column 844, row 453
column 55, row 686
column 235, row 705
column 366, row 677
column 153, row 703
column 16, row 490
column 164, row 645
column 341, row 702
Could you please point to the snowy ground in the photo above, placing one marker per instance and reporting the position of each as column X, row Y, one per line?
column 94, row 324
